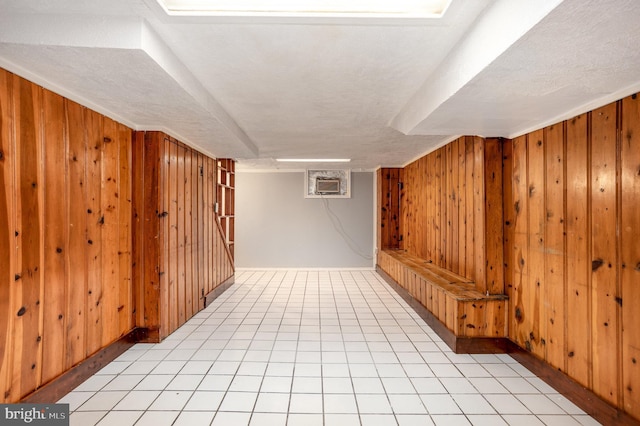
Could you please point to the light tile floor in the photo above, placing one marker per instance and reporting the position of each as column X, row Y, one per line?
column 313, row 348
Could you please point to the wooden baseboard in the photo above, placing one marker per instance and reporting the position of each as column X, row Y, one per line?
column 588, row 401
column 585, row 399
column 216, row 292
column 72, row 378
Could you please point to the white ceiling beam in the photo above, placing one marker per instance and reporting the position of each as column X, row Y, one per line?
column 499, row 27
column 115, row 33
column 165, row 58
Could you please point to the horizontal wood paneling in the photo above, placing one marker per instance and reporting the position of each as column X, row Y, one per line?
column 571, row 248
column 179, row 249
column 65, row 214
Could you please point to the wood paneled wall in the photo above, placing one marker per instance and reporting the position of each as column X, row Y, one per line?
column 179, row 248
column 388, row 208
column 65, row 234
column 75, row 258
column 572, row 251
column 451, row 210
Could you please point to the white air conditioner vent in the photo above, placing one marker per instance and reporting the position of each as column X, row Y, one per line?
column 327, row 186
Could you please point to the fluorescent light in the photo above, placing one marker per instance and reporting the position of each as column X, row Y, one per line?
column 313, row 160
column 334, row 8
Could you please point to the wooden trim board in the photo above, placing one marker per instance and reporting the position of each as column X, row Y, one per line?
column 216, row 292
column 73, row 377
column 70, row 379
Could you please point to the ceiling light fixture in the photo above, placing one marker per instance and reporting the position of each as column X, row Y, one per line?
column 313, row 160
column 309, row 8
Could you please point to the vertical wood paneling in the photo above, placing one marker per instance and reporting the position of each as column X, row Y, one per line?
column 179, row 247
column 583, row 273
column 7, row 230
column 379, row 214
column 455, row 205
column 439, row 183
column 125, row 307
column 508, row 232
column 630, row 255
column 446, row 200
column 448, row 225
column 76, row 252
column 71, row 244
column 173, row 235
column 519, row 257
column 462, row 212
column 181, row 259
column 554, row 237
column 604, row 252
column 138, row 228
column 108, row 221
column 202, row 273
column 390, row 208
column 493, row 213
column 94, row 330
column 479, row 275
column 534, row 306
column 27, row 285
column 577, row 250
column 209, row 263
column 164, row 234
column 190, row 286
column 198, row 299
column 469, row 222
column 55, row 237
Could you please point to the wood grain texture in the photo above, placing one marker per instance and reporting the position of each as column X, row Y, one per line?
column 479, row 218
column 84, row 236
column 451, row 298
column 108, row 222
column 534, row 306
column 125, row 307
column 578, row 251
column 493, row 216
column 444, row 216
column 76, row 252
column 554, row 229
column 630, row 253
column 176, row 250
column 572, row 273
column 509, row 232
column 51, row 209
column 7, row 232
column 55, row 237
column 604, row 253
column 94, row 330
column 181, row 285
column 27, row 295
column 519, row 257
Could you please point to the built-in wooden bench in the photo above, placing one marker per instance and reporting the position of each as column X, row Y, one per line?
column 451, row 298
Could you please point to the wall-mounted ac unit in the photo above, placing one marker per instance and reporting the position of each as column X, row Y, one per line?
column 327, row 186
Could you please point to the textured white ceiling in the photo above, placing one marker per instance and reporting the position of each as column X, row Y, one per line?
column 379, row 92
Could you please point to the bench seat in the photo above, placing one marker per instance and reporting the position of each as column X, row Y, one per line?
column 451, row 298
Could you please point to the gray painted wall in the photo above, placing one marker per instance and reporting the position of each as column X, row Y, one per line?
column 277, row 227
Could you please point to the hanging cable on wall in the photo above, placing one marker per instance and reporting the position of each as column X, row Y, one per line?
column 337, row 225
